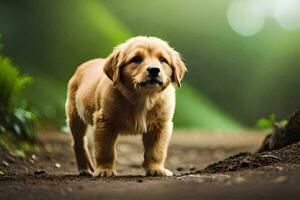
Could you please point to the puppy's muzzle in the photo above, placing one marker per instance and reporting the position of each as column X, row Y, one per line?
column 153, row 77
column 153, row 71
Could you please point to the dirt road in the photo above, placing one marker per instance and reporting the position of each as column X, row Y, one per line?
column 51, row 174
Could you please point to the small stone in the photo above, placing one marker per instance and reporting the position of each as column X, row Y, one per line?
column 180, row 169
column 280, row 179
column 39, row 172
column 6, row 164
column 57, row 165
column 33, row 157
column 140, row 180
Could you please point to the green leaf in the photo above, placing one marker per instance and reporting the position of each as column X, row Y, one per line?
column 264, row 123
column 20, row 153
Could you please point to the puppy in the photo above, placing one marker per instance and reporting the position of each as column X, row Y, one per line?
column 130, row 92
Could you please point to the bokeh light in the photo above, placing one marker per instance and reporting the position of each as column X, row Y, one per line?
column 287, row 14
column 267, row 6
column 245, row 17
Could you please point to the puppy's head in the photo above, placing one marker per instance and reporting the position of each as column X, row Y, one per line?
column 145, row 64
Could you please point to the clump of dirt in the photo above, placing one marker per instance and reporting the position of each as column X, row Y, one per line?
column 281, row 146
column 246, row 160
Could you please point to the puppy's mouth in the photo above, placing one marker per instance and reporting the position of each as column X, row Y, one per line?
column 149, row 82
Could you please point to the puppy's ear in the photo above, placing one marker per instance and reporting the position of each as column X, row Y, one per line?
column 179, row 68
column 112, row 66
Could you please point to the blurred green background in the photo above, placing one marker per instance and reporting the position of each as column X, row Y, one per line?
column 243, row 56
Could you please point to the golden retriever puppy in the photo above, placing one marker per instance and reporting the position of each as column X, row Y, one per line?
column 130, row 92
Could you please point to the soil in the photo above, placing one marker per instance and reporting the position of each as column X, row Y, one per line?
column 206, row 166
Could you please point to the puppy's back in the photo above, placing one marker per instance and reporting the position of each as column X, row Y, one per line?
column 82, row 88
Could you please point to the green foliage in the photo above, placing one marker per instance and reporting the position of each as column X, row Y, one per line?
column 267, row 123
column 11, row 83
column 14, row 116
column 2, row 173
column 19, row 121
column 17, row 147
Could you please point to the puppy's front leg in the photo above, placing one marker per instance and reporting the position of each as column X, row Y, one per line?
column 156, row 142
column 104, row 147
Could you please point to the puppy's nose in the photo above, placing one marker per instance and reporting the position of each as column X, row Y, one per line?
column 153, row 71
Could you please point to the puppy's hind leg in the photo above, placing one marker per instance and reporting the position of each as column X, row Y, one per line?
column 78, row 129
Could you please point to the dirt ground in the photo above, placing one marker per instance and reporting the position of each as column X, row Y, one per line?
column 193, row 157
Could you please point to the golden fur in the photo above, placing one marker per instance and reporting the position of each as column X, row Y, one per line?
column 117, row 96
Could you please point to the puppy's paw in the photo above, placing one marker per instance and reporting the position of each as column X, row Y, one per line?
column 85, row 172
column 102, row 172
column 158, row 172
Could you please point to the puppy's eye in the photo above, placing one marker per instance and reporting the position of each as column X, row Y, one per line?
column 136, row 59
column 163, row 60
